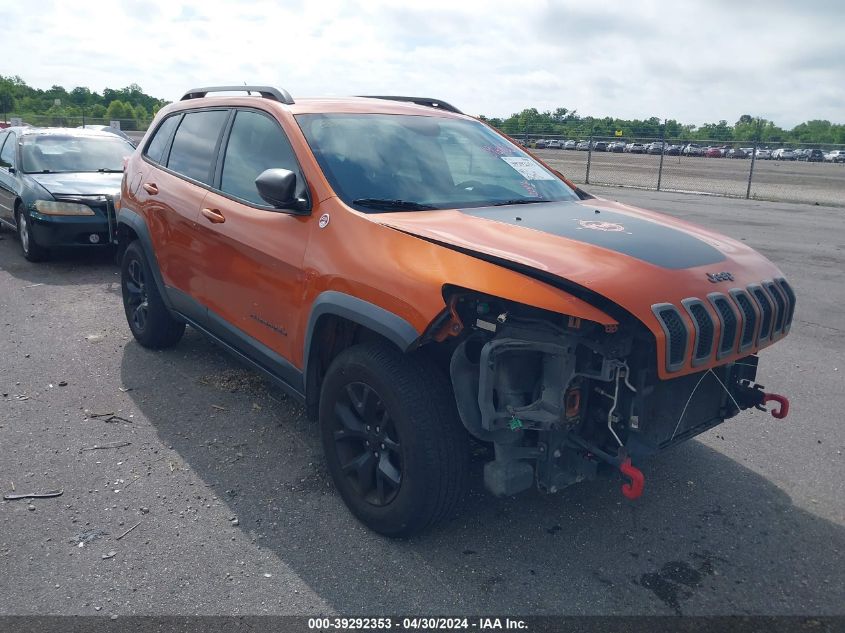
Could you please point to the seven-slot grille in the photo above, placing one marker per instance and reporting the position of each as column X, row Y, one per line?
column 747, row 318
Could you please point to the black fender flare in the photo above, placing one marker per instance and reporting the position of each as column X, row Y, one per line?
column 136, row 222
column 389, row 325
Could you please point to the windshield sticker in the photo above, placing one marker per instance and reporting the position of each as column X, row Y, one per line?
column 531, row 189
column 528, row 168
column 496, row 150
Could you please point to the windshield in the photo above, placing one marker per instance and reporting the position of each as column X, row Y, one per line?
column 48, row 154
column 384, row 162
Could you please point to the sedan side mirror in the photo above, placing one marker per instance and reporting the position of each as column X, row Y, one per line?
column 278, row 187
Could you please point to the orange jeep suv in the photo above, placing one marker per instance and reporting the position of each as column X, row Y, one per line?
column 417, row 279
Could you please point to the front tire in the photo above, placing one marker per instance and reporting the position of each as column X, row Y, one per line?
column 149, row 319
column 394, row 444
column 32, row 251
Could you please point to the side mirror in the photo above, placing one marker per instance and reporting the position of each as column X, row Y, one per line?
column 278, row 187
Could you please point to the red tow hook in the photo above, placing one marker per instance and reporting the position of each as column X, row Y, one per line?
column 783, row 410
column 634, row 489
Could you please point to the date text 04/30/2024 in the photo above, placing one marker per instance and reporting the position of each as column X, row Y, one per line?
column 415, row 624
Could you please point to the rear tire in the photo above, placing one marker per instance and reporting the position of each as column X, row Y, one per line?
column 32, row 251
column 149, row 319
column 394, row 445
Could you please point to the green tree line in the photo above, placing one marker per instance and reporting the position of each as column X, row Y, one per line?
column 57, row 106
column 135, row 109
column 566, row 123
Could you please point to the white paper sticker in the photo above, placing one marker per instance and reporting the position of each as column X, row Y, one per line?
column 528, row 168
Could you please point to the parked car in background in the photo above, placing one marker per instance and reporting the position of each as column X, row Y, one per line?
column 600, row 146
column 540, row 144
column 693, row 149
column 110, row 130
column 713, row 152
column 812, row 156
column 635, row 148
column 835, row 156
column 583, row 146
column 655, row 148
column 764, row 154
column 58, row 186
column 570, row 144
column 553, row 144
column 783, row 153
column 737, row 152
column 616, row 146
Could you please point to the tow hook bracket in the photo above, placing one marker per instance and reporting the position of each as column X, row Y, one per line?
column 783, row 410
column 631, row 489
column 634, row 489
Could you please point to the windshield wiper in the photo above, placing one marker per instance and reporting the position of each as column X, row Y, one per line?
column 380, row 203
column 106, row 170
column 519, row 201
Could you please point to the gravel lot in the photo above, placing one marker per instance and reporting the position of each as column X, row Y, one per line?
column 790, row 181
column 235, row 514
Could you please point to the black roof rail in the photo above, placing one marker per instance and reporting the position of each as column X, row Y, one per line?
column 423, row 101
column 268, row 92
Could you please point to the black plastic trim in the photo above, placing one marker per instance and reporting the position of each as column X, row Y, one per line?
column 790, row 300
column 657, row 308
column 688, row 304
column 781, row 309
column 721, row 350
column 135, row 222
column 254, row 350
column 252, row 362
column 423, row 101
column 747, row 320
column 391, row 326
column 765, row 330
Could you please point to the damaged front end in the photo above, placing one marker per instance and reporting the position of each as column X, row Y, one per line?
column 562, row 399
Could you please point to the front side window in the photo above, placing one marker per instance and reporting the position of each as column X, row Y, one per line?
column 67, row 153
column 7, row 155
column 158, row 144
column 196, row 139
column 256, row 144
column 424, row 162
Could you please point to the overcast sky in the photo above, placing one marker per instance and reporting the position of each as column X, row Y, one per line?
column 693, row 61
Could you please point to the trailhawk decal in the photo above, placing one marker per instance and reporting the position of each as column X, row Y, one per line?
column 630, row 235
column 600, row 226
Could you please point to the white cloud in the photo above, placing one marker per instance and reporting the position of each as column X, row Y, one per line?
column 693, row 61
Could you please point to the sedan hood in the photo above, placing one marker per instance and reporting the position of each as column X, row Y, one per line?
column 80, row 183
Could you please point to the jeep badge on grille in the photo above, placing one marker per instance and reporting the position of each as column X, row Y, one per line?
column 717, row 277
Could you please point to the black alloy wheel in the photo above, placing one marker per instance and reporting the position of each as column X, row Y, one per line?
column 367, row 443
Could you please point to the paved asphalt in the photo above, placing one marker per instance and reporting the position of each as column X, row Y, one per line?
column 235, row 514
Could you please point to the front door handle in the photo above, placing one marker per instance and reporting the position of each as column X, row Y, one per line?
column 150, row 188
column 214, row 216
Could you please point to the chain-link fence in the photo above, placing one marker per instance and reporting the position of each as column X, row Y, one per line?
column 811, row 173
column 766, row 171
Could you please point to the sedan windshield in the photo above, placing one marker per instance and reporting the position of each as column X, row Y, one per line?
column 54, row 153
column 387, row 162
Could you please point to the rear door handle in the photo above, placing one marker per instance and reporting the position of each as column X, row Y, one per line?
column 213, row 215
column 150, row 188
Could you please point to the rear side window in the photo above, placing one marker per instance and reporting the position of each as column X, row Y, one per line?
column 161, row 137
column 193, row 148
column 256, row 143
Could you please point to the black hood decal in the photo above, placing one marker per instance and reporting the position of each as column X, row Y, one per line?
column 648, row 241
